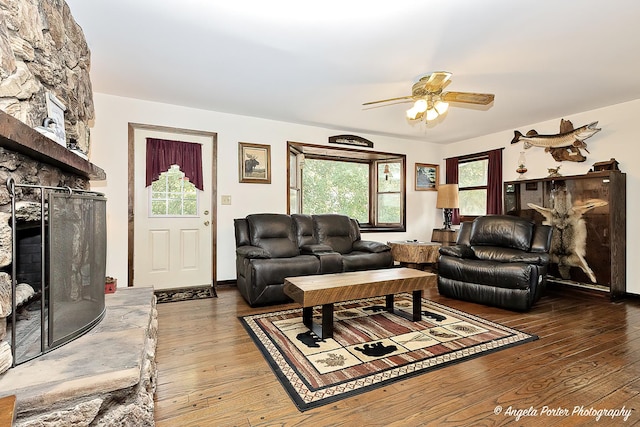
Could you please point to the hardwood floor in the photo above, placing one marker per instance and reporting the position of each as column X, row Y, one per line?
column 211, row 374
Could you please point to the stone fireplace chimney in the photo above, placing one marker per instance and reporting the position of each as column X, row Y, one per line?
column 42, row 49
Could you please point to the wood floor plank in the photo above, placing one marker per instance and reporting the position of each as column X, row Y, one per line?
column 588, row 353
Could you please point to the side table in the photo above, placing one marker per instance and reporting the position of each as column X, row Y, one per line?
column 446, row 237
column 415, row 254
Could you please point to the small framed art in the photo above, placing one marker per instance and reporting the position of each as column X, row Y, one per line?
column 254, row 163
column 427, row 177
column 55, row 116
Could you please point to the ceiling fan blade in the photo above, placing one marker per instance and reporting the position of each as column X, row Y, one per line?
column 437, row 80
column 468, row 97
column 389, row 100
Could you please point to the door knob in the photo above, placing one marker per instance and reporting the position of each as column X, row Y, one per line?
column 206, row 223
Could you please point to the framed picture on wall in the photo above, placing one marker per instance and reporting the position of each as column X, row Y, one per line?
column 55, row 116
column 254, row 163
column 427, row 177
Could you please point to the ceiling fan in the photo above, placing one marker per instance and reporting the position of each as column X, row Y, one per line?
column 429, row 99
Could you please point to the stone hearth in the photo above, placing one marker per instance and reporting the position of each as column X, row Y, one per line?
column 105, row 377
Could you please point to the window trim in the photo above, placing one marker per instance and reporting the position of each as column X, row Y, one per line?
column 360, row 156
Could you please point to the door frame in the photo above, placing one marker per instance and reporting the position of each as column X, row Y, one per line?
column 132, row 127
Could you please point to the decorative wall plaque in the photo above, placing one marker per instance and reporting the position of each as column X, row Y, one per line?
column 350, row 140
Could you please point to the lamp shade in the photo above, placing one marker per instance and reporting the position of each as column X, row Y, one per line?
column 447, row 196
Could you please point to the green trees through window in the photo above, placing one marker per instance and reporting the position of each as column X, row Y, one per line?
column 364, row 185
column 333, row 186
column 472, row 183
column 173, row 195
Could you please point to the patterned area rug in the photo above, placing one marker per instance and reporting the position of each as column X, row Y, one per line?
column 370, row 347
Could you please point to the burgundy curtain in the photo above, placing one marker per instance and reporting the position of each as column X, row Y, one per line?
column 162, row 153
column 494, row 184
column 451, row 177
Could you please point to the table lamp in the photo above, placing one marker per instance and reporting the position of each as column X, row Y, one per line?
column 447, row 200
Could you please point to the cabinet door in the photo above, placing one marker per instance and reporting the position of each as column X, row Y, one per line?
column 579, row 211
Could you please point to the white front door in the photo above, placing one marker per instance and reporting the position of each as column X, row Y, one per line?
column 172, row 245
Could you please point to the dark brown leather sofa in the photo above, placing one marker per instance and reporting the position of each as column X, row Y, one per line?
column 498, row 260
column 270, row 247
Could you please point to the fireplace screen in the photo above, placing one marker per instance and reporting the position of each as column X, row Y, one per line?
column 59, row 252
column 77, row 253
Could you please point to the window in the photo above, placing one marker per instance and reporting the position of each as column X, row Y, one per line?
column 472, row 184
column 364, row 185
column 173, row 195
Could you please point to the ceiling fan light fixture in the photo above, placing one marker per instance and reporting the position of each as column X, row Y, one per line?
column 421, row 105
column 432, row 114
column 414, row 113
column 441, row 107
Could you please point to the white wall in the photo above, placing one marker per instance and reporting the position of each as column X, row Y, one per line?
column 109, row 140
column 618, row 139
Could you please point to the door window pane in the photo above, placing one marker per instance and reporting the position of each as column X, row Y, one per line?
column 173, row 195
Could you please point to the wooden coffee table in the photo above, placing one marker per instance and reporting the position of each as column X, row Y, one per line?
column 327, row 289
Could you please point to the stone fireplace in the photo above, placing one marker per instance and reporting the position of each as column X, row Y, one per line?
column 29, row 163
column 43, row 54
column 106, row 376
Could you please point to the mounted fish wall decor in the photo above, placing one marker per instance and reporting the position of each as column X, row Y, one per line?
column 565, row 145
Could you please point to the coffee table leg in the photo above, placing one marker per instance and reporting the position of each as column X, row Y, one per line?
column 389, row 305
column 307, row 317
column 327, row 321
column 417, row 305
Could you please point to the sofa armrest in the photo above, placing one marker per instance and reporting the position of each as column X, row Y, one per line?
column 252, row 252
column 536, row 258
column 315, row 249
column 457, row 251
column 507, row 255
column 370, row 246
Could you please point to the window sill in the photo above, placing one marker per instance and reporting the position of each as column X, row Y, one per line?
column 390, row 229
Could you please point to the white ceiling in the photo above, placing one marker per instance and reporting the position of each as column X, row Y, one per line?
column 315, row 63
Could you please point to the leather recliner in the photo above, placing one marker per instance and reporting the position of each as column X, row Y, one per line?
column 498, row 260
column 270, row 247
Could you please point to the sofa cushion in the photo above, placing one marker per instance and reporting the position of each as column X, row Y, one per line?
column 355, row 230
column 370, row 246
column 242, row 232
column 274, row 233
column 304, row 229
column 334, row 230
column 499, row 230
column 357, row 261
